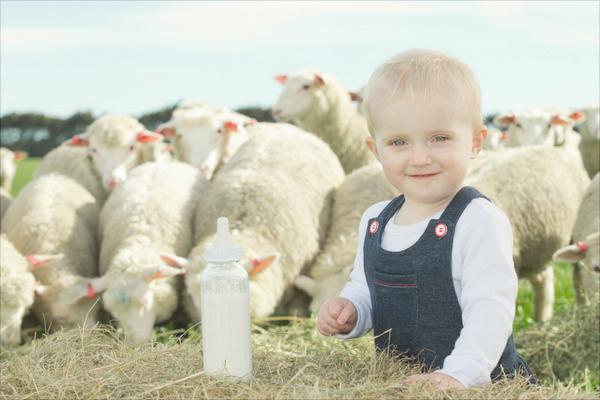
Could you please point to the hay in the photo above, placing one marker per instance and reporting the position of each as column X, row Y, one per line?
column 567, row 348
column 289, row 362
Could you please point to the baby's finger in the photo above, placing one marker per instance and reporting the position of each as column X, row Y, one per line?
column 334, row 308
column 345, row 314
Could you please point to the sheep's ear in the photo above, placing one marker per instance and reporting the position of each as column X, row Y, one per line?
column 355, row 96
column 505, row 120
column 162, row 272
column 39, row 260
column 319, row 80
column 175, row 261
column 230, row 126
column 250, row 122
column 166, row 131
column 258, row 265
column 561, row 120
column 305, row 283
column 281, row 78
column 571, row 253
column 80, row 140
column 21, row 155
column 577, row 117
column 148, row 137
column 96, row 286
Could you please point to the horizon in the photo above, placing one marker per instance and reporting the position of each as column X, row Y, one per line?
column 58, row 58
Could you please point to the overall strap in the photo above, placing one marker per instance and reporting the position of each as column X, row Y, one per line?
column 390, row 209
column 460, row 201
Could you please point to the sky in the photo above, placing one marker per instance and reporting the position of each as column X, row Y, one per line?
column 140, row 56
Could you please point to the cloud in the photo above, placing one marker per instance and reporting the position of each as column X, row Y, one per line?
column 215, row 25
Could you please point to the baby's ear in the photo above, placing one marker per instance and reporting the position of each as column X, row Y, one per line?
column 370, row 141
column 479, row 140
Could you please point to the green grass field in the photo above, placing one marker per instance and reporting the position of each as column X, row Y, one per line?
column 565, row 295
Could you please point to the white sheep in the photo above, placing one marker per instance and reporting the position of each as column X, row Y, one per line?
column 75, row 163
column 586, row 247
column 538, row 187
column 206, row 137
column 318, row 104
column 276, row 192
column 536, row 126
column 55, row 215
column 590, row 139
column 116, row 144
column 8, row 167
column 16, row 292
column 151, row 212
column 5, row 200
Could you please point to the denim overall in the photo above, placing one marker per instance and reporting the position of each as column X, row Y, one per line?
column 415, row 308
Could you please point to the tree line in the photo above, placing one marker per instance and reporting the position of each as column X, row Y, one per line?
column 37, row 134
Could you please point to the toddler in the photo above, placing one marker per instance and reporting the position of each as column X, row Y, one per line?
column 433, row 276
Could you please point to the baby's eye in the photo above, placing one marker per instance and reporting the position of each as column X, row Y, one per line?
column 397, row 142
column 518, row 125
column 219, row 130
column 305, row 87
column 131, row 148
column 441, row 139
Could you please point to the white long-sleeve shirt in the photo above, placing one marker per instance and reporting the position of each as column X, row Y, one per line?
column 484, row 279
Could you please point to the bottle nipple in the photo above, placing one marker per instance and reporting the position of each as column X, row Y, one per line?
column 223, row 248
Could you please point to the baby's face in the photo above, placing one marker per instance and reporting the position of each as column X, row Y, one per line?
column 425, row 146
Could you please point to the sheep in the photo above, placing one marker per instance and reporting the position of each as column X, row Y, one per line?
column 54, row 215
column 317, row 103
column 151, row 212
column 16, row 292
column 590, row 139
column 541, row 223
column 276, row 192
column 206, row 137
column 586, row 247
column 538, row 188
column 8, row 167
column 5, row 201
column 116, row 144
column 75, row 163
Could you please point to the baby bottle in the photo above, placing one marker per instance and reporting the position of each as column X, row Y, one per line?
column 225, row 308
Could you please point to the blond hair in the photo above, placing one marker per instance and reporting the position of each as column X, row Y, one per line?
column 420, row 74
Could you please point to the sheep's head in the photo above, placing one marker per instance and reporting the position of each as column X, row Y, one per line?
column 16, row 296
column 586, row 251
column 303, row 93
column 115, row 144
column 536, row 127
column 129, row 297
column 206, row 138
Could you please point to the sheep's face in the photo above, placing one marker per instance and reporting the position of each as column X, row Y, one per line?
column 525, row 129
column 113, row 162
column 72, row 307
column 130, row 300
column 205, row 138
column 10, row 324
column 12, row 311
column 302, row 94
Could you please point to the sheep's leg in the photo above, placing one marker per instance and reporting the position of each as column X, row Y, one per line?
column 585, row 283
column 543, row 291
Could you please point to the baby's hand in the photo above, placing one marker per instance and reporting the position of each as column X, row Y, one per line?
column 337, row 315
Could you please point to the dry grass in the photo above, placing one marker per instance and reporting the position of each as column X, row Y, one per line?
column 289, row 362
column 567, row 348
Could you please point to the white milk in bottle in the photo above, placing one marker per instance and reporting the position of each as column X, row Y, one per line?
column 225, row 308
